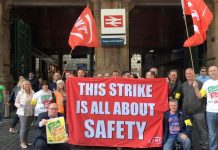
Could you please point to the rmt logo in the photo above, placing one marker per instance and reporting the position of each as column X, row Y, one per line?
column 156, row 140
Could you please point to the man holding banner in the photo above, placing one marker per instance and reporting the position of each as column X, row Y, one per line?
column 41, row 137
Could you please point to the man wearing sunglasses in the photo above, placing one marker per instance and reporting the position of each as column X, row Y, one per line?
column 203, row 75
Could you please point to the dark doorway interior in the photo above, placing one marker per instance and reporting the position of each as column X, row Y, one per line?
column 158, row 33
column 49, row 31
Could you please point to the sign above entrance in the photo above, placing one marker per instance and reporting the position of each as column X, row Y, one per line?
column 113, row 21
column 113, row 40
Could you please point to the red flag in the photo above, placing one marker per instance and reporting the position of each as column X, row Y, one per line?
column 206, row 16
column 84, row 32
column 201, row 16
column 185, row 8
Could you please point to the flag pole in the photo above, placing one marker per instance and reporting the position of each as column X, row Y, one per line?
column 187, row 34
column 66, row 65
column 190, row 51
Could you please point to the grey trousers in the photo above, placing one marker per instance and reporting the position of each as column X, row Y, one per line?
column 201, row 125
column 25, row 123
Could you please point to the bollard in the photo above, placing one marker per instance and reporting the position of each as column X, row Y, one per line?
column 6, row 106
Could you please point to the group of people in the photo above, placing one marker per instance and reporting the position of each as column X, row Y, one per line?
column 193, row 101
column 187, row 102
column 186, row 105
column 31, row 100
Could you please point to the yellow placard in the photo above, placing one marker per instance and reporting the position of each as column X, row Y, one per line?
column 56, row 131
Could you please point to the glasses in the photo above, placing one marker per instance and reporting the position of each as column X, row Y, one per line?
column 203, row 71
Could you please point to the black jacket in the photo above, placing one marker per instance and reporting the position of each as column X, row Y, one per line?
column 41, row 131
column 52, row 86
column 184, row 127
column 175, row 88
column 34, row 84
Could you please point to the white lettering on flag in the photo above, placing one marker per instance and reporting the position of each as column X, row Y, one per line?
column 90, row 27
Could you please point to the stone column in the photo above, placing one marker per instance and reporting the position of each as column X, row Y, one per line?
column 212, row 36
column 5, row 76
column 109, row 59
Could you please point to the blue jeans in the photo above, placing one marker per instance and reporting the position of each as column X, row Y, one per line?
column 212, row 123
column 170, row 143
column 1, row 111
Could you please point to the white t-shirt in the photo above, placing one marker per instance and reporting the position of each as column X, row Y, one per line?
column 43, row 100
column 210, row 87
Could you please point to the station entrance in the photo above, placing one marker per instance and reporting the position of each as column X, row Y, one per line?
column 39, row 40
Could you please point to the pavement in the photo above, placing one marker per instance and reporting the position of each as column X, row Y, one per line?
column 9, row 141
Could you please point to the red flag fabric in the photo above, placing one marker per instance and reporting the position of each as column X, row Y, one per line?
column 201, row 16
column 84, row 31
column 116, row 112
column 185, row 8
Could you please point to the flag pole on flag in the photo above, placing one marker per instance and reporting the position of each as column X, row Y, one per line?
column 187, row 34
column 201, row 17
column 84, row 32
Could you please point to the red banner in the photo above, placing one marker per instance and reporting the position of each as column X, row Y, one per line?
column 116, row 112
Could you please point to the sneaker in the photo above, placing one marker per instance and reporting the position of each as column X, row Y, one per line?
column 29, row 144
column 22, row 145
column 13, row 130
